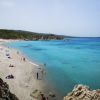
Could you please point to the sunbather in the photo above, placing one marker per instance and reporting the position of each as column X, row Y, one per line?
column 11, row 65
column 10, row 77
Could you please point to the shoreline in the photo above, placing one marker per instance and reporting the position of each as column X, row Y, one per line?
column 21, row 84
column 24, row 82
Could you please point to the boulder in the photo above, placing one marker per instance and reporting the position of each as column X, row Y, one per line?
column 5, row 93
column 52, row 94
column 81, row 92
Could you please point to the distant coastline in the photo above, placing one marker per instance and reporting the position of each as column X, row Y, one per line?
column 26, row 35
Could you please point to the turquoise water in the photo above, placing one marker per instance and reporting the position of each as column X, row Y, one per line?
column 68, row 62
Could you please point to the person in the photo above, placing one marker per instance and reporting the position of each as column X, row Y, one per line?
column 11, row 65
column 24, row 59
column 37, row 75
column 44, row 64
column 17, row 52
column 10, row 77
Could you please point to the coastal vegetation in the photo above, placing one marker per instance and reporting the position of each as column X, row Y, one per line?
column 26, row 35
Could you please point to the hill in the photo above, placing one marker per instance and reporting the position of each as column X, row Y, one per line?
column 26, row 35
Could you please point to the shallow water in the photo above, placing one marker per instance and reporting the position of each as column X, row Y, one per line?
column 68, row 62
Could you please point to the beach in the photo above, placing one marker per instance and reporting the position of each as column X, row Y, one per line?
column 19, row 73
column 67, row 63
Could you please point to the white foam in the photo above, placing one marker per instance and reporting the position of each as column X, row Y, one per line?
column 33, row 63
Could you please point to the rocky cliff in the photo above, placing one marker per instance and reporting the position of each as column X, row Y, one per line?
column 5, row 93
column 81, row 92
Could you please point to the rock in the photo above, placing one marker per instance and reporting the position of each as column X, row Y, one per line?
column 81, row 92
column 5, row 93
column 36, row 94
column 52, row 94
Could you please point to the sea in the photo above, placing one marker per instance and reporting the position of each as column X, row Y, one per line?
column 67, row 62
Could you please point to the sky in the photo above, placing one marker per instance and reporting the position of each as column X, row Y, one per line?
column 67, row 17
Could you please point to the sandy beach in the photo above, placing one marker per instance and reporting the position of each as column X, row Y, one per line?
column 24, row 72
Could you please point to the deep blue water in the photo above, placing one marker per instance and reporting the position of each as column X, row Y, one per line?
column 68, row 62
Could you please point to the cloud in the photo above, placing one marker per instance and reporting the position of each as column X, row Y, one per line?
column 7, row 3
